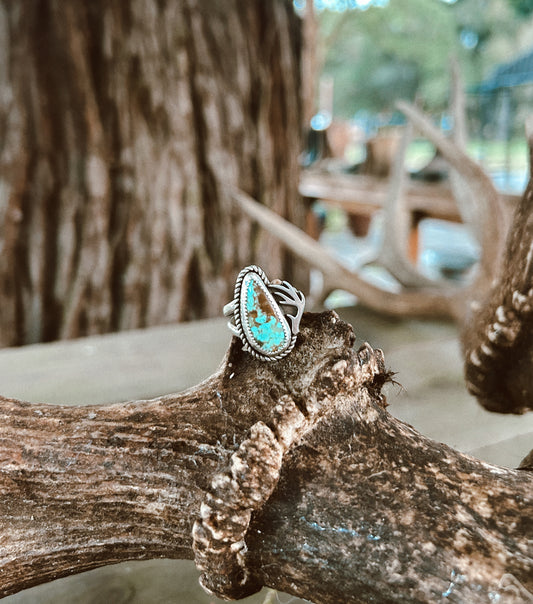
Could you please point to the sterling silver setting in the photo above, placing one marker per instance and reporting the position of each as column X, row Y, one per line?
column 285, row 305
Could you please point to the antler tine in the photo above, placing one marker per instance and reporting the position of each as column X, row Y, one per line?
column 483, row 190
column 289, row 296
column 288, row 292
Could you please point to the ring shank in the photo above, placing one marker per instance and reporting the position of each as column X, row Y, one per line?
column 229, row 309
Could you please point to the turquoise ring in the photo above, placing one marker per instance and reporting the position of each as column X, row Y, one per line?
column 265, row 314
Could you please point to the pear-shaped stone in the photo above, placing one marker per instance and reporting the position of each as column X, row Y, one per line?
column 265, row 326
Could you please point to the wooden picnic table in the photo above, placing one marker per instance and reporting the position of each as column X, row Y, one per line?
column 362, row 195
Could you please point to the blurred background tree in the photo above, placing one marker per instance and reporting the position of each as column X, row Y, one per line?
column 378, row 51
column 123, row 128
column 523, row 7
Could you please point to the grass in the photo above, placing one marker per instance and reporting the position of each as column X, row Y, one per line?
column 493, row 155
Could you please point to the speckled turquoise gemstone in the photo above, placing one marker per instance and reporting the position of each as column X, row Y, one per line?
column 267, row 330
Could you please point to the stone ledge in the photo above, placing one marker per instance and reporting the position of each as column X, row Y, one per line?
column 115, row 367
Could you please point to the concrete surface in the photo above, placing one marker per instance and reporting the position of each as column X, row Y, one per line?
column 147, row 363
column 135, row 364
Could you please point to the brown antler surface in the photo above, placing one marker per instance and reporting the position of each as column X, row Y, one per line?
column 293, row 474
column 498, row 331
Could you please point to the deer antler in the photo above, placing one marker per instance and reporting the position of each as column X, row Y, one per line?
column 297, row 476
column 430, row 302
column 396, row 225
column 286, row 295
column 490, row 213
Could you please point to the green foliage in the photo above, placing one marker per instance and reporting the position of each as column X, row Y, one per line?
column 401, row 49
column 524, row 8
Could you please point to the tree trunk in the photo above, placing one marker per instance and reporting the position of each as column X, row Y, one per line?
column 295, row 473
column 123, row 124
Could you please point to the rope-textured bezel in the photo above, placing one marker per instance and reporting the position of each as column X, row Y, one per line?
column 237, row 319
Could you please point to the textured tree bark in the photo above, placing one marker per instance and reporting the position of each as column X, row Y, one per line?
column 340, row 501
column 121, row 124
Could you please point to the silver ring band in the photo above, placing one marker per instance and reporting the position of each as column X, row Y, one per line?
column 229, row 308
column 265, row 315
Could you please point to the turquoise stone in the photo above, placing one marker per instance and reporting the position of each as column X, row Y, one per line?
column 265, row 326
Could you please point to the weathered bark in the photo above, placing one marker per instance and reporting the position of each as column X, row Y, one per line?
column 120, row 125
column 359, row 507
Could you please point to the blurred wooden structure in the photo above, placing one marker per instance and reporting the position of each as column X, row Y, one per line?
column 361, row 196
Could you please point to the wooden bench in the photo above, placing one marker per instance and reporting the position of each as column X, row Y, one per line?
column 360, row 196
